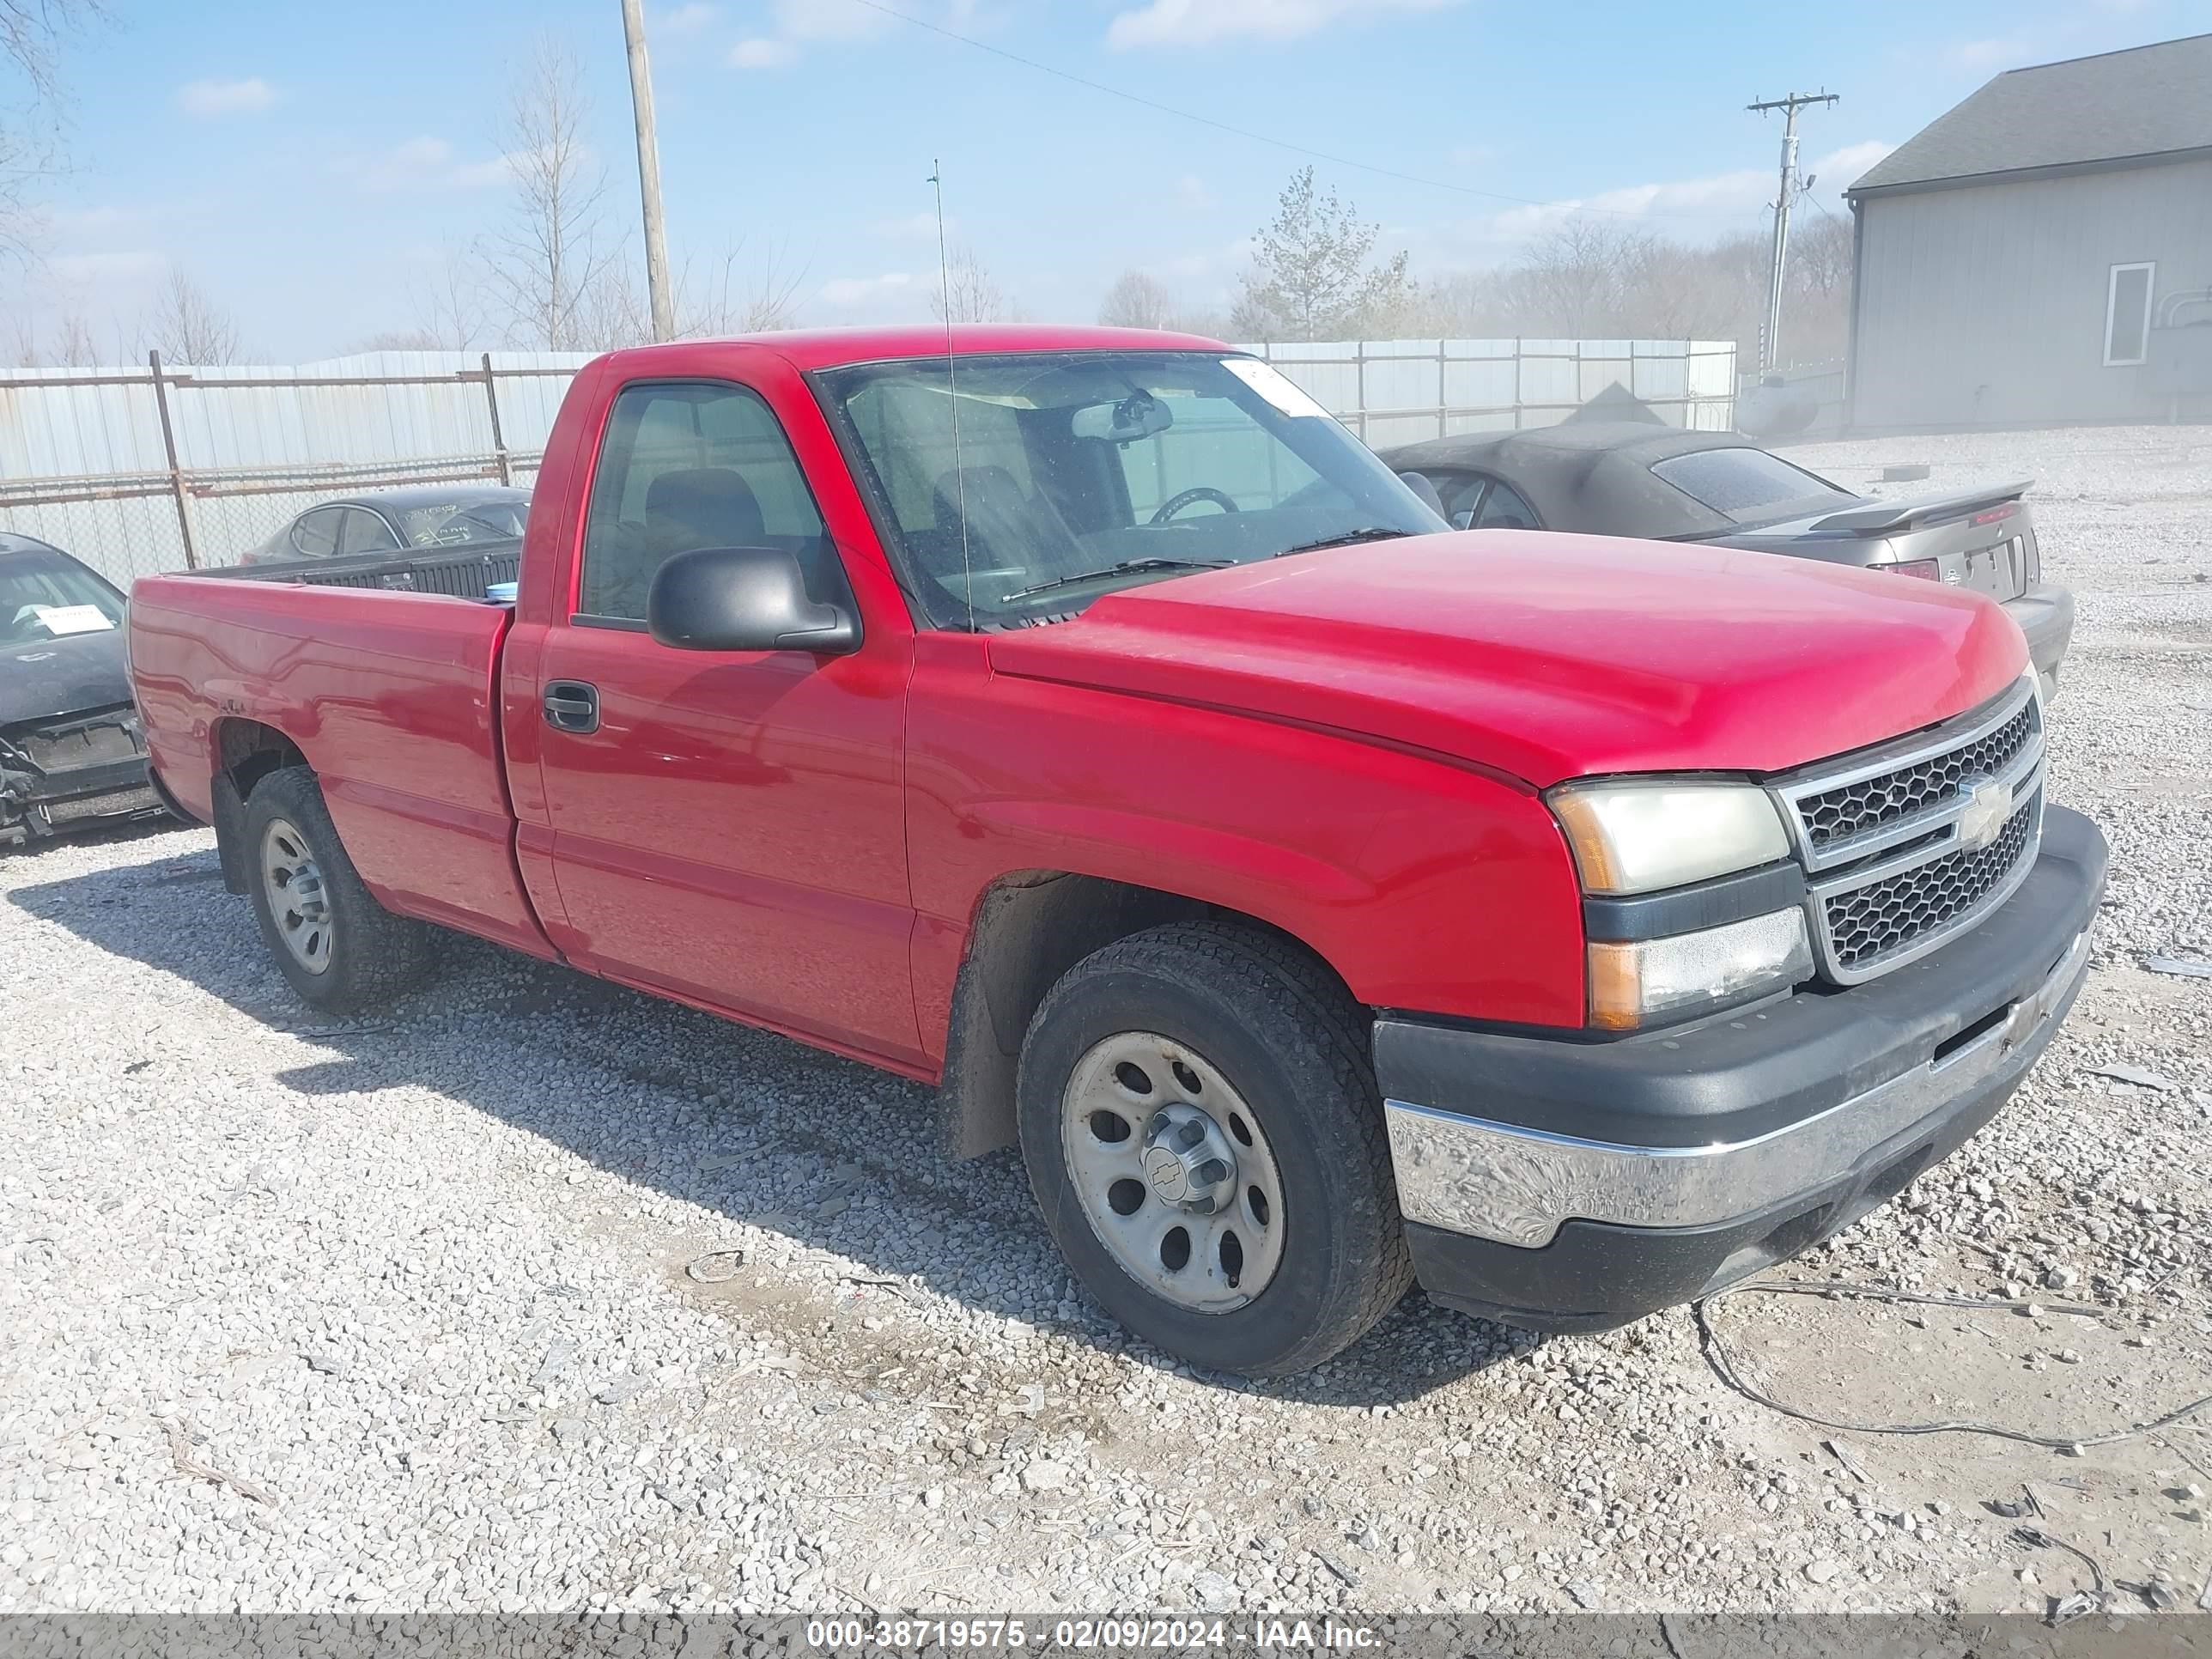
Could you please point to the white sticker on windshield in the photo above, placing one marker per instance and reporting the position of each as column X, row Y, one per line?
column 1273, row 385
column 60, row 619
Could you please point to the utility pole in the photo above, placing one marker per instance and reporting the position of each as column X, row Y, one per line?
column 648, row 173
column 1769, row 343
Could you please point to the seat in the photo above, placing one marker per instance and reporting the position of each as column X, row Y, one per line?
column 701, row 506
column 1005, row 529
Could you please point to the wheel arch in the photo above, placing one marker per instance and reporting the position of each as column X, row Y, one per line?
column 1028, row 929
column 243, row 753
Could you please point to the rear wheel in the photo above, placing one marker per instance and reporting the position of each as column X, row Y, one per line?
column 1199, row 1121
column 338, row 948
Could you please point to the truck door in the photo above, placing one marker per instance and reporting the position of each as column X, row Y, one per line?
column 725, row 826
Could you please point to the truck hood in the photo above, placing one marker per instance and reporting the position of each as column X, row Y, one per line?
column 1545, row 656
column 67, row 675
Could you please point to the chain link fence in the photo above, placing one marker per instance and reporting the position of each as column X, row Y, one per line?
column 136, row 471
column 140, row 470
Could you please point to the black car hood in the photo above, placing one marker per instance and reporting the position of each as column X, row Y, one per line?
column 41, row 679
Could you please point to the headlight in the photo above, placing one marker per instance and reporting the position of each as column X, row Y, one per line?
column 1630, row 985
column 1641, row 834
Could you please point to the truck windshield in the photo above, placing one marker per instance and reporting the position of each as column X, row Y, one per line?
column 1072, row 474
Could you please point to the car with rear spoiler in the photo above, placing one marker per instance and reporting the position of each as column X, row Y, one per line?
column 1638, row 478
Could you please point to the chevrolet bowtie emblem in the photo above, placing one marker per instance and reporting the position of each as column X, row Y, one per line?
column 1988, row 809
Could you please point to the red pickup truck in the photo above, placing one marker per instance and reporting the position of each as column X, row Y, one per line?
column 1083, row 720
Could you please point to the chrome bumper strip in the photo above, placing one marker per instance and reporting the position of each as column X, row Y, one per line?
column 1516, row 1185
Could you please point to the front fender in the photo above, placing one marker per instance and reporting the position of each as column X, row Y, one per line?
column 1424, row 883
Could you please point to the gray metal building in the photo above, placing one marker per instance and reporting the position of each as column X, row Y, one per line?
column 2041, row 255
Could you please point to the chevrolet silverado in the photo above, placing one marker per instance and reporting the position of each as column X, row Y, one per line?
column 1081, row 720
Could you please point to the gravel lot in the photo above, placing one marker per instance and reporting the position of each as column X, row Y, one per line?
column 396, row 1316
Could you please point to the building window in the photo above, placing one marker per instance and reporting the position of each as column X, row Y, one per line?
column 2127, row 315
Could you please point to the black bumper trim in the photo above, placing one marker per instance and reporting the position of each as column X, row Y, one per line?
column 1736, row 1077
column 1597, row 1276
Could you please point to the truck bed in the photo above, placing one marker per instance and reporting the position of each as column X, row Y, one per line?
column 461, row 573
column 389, row 690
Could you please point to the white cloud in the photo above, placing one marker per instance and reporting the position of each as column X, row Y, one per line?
column 687, row 19
column 1701, row 205
column 1192, row 193
column 795, row 24
column 206, row 99
column 1999, row 52
column 762, row 52
column 1202, row 22
column 424, row 163
column 126, row 264
column 915, row 226
column 1839, row 169
column 847, row 292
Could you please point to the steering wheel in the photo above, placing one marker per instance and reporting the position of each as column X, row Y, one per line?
column 1176, row 503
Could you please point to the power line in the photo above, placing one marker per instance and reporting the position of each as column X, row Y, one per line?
column 1257, row 138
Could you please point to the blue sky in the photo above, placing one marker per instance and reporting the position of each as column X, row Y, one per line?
column 307, row 161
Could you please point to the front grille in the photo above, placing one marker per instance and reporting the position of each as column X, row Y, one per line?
column 1849, row 810
column 1867, row 924
column 1878, row 833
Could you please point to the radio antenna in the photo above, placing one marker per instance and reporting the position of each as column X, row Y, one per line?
column 952, row 390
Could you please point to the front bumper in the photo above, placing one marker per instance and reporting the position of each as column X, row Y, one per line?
column 46, row 799
column 2045, row 615
column 1577, row 1185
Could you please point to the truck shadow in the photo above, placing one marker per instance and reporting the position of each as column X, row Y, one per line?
column 816, row 1153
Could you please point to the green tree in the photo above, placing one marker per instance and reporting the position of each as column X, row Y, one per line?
column 1314, row 275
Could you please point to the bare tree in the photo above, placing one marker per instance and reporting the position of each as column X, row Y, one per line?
column 449, row 304
column 401, row 339
column 1311, row 276
column 32, row 34
column 968, row 293
column 186, row 326
column 546, row 262
column 722, row 303
column 1137, row 300
column 615, row 311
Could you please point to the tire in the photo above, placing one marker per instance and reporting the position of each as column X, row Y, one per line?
column 361, row 956
column 1226, row 1009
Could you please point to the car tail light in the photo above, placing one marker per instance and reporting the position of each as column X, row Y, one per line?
column 1996, row 515
column 1929, row 570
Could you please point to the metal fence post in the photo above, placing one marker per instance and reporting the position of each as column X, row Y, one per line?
column 491, row 402
column 1359, row 384
column 1443, row 389
column 169, row 447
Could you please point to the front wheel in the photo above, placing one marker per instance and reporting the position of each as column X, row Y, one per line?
column 1199, row 1121
column 338, row 948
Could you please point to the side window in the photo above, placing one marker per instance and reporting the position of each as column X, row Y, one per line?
column 2127, row 315
column 366, row 533
column 1462, row 494
column 1503, row 508
column 315, row 535
column 686, row 466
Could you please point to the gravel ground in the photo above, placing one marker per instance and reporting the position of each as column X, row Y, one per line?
column 395, row 1314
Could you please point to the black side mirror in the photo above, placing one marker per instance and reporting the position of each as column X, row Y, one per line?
column 744, row 598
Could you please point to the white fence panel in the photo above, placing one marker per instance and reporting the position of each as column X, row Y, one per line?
column 85, row 462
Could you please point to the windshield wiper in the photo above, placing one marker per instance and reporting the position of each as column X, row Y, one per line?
column 1372, row 532
column 1128, row 567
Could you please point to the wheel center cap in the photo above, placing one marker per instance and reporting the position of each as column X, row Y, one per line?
column 1188, row 1160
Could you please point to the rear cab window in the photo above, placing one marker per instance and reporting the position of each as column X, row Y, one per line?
column 1747, row 485
column 691, row 464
